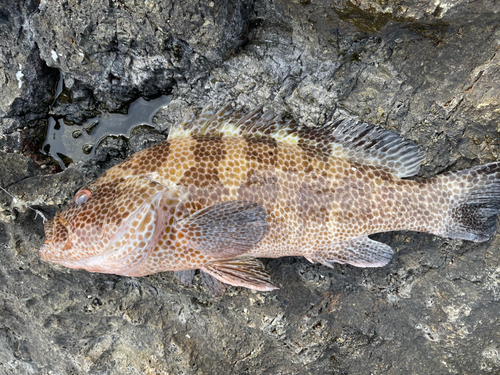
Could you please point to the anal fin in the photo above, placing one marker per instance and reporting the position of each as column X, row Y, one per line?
column 359, row 252
column 246, row 272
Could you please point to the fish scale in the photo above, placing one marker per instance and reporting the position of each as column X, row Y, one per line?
column 228, row 187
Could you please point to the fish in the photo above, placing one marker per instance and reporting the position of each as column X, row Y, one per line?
column 230, row 186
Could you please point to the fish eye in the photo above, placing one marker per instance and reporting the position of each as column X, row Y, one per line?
column 82, row 195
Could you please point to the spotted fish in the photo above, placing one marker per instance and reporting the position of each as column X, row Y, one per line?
column 228, row 187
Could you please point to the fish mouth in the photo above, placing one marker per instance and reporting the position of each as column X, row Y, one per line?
column 48, row 251
column 58, row 239
column 45, row 249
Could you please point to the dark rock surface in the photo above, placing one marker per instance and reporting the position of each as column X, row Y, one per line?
column 427, row 70
column 119, row 50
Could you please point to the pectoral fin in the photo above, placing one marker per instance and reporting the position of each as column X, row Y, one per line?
column 359, row 252
column 226, row 229
column 246, row 272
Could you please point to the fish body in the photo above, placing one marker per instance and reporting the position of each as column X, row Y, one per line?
column 228, row 187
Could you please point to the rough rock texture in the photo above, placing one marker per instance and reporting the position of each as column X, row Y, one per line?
column 134, row 48
column 428, row 70
column 26, row 84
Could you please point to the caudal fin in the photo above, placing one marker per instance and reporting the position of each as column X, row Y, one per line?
column 474, row 202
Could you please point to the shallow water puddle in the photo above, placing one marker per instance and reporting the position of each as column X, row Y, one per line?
column 72, row 143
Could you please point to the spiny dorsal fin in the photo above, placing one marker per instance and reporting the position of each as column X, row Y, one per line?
column 349, row 139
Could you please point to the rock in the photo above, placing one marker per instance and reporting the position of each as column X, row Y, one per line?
column 26, row 84
column 25, row 81
column 427, row 70
column 121, row 50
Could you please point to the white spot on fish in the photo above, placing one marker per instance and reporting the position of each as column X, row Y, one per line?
column 19, row 75
column 54, row 55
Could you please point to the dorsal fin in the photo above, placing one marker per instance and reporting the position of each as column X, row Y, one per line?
column 348, row 139
column 370, row 145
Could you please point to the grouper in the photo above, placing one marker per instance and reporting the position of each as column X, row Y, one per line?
column 230, row 186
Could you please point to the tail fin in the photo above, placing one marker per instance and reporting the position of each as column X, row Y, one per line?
column 475, row 202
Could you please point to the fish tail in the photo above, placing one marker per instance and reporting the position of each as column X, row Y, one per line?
column 474, row 202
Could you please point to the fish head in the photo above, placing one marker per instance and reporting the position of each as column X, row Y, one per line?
column 109, row 227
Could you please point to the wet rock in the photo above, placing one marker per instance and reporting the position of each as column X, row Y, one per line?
column 143, row 138
column 426, row 70
column 16, row 168
column 10, row 137
column 26, row 83
column 121, row 50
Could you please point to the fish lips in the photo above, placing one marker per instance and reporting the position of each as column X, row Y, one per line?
column 53, row 247
column 44, row 252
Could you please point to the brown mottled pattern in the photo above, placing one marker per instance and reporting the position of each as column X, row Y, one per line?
column 310, row 200
column 321, row 200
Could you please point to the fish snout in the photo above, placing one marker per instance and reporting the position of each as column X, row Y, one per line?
column 57, row 239
column 44, row 251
